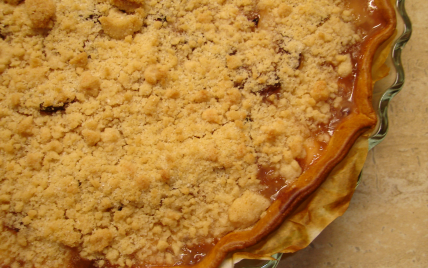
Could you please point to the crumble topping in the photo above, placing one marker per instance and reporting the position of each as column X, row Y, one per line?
column 132, row 131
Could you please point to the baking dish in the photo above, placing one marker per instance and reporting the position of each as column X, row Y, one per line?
column 47, row 109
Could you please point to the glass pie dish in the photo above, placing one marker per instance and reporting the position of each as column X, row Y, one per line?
column 300, row 198
column 383, row 92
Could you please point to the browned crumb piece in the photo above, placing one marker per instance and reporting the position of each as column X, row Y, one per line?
column 99, row 240
column 89, row 84
column 320, row 91
column 41, row 12
column 284, row 10
column 80, row 60
column 118, row 25
column 154, row 73
column 247, row 209
column 91, row 137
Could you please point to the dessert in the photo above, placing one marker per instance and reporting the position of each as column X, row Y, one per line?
column 138, row 133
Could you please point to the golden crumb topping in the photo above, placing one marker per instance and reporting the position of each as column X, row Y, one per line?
column 132, row 131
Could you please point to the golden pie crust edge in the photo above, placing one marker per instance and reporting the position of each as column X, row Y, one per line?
column 361, row 120
column 328, row 202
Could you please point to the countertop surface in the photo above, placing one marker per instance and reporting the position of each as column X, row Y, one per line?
column 386, row 224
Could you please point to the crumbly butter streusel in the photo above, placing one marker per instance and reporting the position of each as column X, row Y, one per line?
column 131, row 130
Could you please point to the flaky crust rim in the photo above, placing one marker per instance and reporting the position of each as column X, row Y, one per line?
column 361, row 119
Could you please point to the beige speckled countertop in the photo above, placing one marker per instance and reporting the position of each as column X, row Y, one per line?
column 386, row 224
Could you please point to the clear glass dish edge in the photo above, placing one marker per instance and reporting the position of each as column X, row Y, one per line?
column 384, row 93
column 387, row 93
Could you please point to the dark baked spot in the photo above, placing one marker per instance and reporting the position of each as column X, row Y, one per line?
column 323, row 21
column 239, row 85
column 49, row 110
column 12, row 229
column 301, row 60
column 161, row 19
column 269, row 90
column 282, row 51
column 94, row 17
column 77, row 261
column 255, row 18
column 4, row 31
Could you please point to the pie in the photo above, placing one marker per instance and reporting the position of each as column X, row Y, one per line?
column 140, row 133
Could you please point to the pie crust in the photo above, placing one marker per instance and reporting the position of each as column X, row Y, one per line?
column 312, row 172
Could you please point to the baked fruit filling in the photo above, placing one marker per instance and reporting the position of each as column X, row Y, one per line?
column 140, row 132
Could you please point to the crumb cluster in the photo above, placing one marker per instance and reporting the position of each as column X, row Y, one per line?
column 133, row 130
